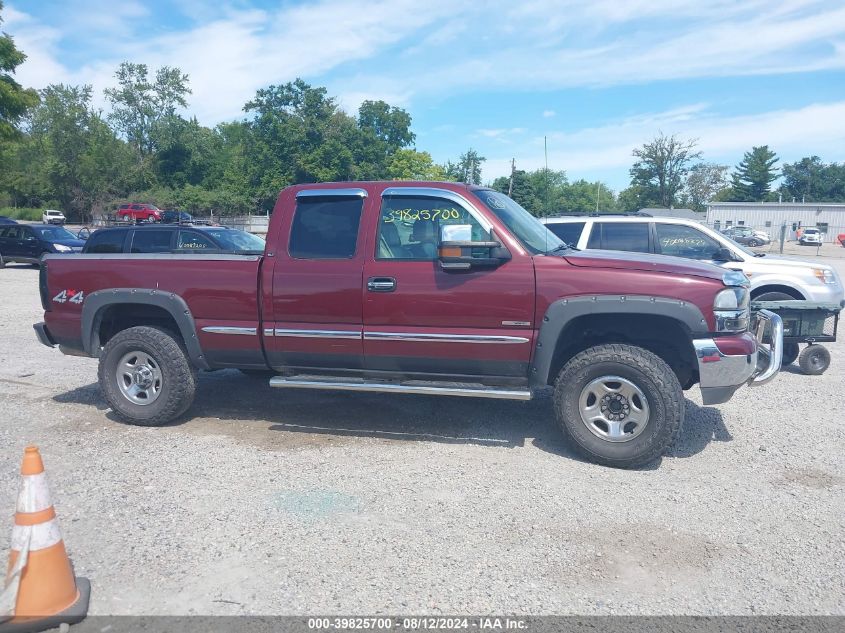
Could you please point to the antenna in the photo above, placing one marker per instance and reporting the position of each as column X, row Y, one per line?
column 598, row 195
column 548, row 186
column 513, row 170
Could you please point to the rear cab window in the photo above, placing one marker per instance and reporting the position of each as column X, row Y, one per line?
column 325, row 227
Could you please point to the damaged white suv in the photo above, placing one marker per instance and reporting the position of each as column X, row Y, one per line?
column 773, row 278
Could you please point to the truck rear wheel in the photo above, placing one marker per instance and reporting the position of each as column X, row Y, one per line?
column 619, row 405
column 146, row 377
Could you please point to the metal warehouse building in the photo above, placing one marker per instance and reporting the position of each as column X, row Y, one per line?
column 829, row 218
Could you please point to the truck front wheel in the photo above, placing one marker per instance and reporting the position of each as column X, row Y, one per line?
column 146, row 377
column 619, row 405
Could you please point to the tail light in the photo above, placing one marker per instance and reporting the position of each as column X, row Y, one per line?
column 42, row 287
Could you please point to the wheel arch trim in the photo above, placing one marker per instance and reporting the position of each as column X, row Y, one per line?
column 562, row 312
column 95, row 304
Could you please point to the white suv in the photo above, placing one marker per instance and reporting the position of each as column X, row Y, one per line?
column 811, row 236
column 772, row 278
column 51, row 216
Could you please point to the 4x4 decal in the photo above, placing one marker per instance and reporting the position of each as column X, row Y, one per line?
column 70, row 296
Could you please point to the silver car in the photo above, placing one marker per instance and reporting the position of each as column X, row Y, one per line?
column 773, row 278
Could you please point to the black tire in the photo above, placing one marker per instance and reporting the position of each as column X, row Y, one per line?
column 814, row 360
column 178, row 377
column 648, row 373
column 126, row 218
column 753, row 243
column 790, row 353
column 2, row 261
column 774, row 295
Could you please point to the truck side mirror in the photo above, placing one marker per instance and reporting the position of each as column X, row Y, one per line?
column 458, row 251
column 723, row 255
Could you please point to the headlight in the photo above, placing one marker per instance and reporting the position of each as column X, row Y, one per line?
column 733, row 298
column 61, row 248
column 730, row 307
column 824, row 275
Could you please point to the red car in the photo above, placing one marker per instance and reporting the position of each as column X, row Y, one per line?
column 139, row 212
column 841, row 238
column 425, row 288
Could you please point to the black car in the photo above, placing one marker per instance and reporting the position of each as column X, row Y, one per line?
column 172, row 216
column 175, row 238
column 26, row 243
column 5, row 220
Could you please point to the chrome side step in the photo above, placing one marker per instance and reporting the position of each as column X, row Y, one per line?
column 412, row 386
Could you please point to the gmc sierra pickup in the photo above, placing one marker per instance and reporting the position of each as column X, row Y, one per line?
column 418, row 287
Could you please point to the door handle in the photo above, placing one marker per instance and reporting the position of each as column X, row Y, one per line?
column 381, row 284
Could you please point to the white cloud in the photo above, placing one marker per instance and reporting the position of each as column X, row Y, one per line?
column 379, row 48
column 230, row 57
column 500, row 133
column 547, row 114
column 606, row 150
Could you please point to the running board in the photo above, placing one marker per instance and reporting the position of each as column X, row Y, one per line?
column 420, row 387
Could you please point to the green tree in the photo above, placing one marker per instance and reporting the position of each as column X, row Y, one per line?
column 582, row 196
column 752, row 179
column 812, row 180
column 467, row 169
column 703, row 183
column 15, row 101
column 410, row 164
column 661, row 167
column 521, row 190
column 141, row 105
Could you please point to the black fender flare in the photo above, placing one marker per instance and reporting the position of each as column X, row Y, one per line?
column 564, row 311
column 173, row 304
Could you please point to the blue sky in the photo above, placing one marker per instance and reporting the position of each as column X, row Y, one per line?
column 597, row 78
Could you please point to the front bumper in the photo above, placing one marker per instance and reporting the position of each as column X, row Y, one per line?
column 721, row 374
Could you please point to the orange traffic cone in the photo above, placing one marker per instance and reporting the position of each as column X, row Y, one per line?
column 40, row 591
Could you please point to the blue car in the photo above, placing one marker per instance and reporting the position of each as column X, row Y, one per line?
column 26, row 243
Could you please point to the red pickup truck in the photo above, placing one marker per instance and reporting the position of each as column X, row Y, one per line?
column 426, row 288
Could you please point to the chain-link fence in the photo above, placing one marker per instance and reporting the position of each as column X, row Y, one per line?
column 768, row 235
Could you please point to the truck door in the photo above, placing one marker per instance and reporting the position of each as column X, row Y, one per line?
column 315, row 315
column 421, row 320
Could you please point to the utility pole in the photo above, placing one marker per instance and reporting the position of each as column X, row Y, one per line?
column 598, row 194
column 513, row 170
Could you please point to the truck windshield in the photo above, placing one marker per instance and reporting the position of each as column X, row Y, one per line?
column 533, row 235
column 238, row 241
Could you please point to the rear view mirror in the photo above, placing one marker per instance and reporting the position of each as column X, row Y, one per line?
column 458, row 251
column 84, row 234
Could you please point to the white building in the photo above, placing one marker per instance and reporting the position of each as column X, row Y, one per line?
column 829, row 218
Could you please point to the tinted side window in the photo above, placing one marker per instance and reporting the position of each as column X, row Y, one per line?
column 625, row 236
column 685, row 241
column 569, row 232
column 595, row 237
column 145, row 241
column 194, row 241
column 410, row 227
column 105, row 242
column 325, row 228
column 4, row 230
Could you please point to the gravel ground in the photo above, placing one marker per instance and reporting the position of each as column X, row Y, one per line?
column 282, row 502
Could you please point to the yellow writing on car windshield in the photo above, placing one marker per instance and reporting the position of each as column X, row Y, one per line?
column 412, row 215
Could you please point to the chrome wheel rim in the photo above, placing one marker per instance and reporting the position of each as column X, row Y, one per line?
column 614, row 409
column 139, row 378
